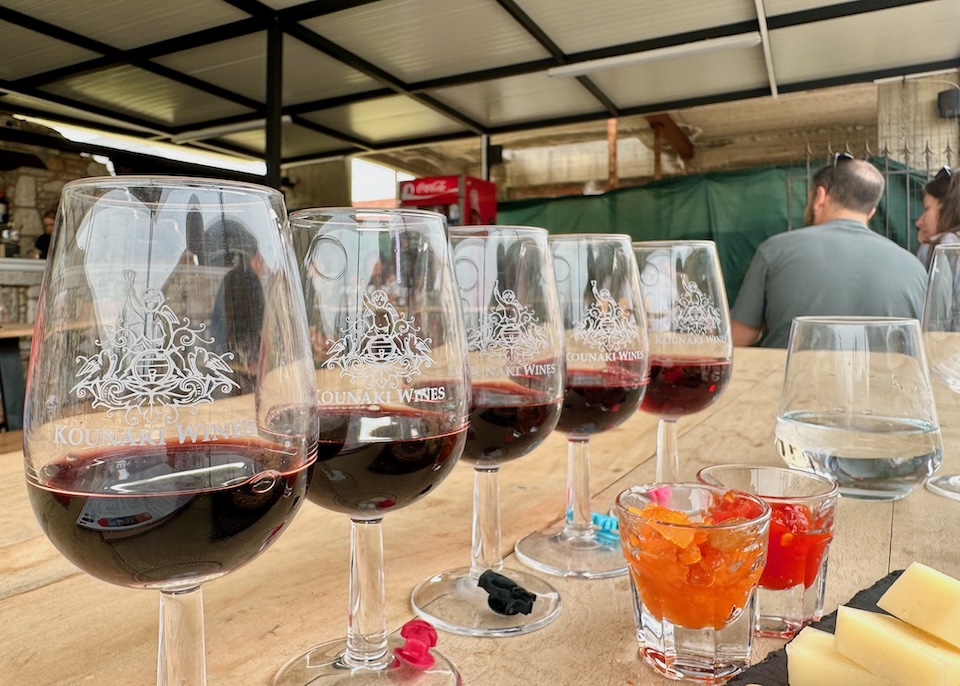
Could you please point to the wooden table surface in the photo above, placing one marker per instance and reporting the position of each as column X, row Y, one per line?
column 60, row 627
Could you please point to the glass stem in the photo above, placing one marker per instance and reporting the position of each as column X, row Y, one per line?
column 668, row 452
column 485, row 553
column 182, row 659
column 579, row 518
column 367, row 618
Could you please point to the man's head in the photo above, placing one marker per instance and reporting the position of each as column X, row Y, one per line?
column 847, row 189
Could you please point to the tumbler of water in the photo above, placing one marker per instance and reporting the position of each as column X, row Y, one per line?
column 857, row 405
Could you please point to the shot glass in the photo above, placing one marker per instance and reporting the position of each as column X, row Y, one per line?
column 695, row 554
column 801, row 527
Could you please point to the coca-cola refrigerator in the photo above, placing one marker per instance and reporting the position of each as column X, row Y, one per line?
column 463, row 199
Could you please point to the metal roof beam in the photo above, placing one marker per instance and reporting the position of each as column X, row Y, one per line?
column 837, row 11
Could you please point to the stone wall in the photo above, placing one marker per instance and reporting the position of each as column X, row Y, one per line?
column 31, row 191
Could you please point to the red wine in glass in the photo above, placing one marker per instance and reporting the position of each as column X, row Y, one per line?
column 691, row 350
column 507, row 421
column 682, row 386
column 597, row 401
column 357, row 473
column 146, row 516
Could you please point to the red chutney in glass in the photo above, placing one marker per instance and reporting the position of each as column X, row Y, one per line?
column 694, row 574
column 798, row 540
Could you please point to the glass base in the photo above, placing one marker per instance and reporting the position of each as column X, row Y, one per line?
column 586, row 557
column 323, row 665
column 453, row 601
column 947, row 485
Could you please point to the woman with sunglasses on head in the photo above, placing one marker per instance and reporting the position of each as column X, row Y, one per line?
column 940, row 221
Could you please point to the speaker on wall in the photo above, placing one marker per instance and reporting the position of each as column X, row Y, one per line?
column 948, row 102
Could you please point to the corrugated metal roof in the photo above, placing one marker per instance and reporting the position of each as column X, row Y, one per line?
column 366, row 75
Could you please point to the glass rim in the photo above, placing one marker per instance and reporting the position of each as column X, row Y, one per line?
column 469, row 229
column 694, row 243
column 765, row 510
column 946, row 247
column 558, row 237
column 833, row 489
column 857, row 320
column 312, row 214
column 77, row 186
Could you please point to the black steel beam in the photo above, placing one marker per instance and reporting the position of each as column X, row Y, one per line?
column 274, row 128
column 317, row 8
column 359, row 143
column 844, row 9
column 146, row 52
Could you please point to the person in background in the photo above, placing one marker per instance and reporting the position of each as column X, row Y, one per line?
column 835, row 266
column 42, row 244
column 940, row 221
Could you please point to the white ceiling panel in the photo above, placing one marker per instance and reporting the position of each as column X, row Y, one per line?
column 24, row 52
column 680, row 79
column 490, row 55
column 239, row 65
column 128, row 90
column 297, row 141
column 124, row 24
column 386, row 119
column 519, row 99
column 417, row 40
column 576, row 25
column 61, row 113
column 858, row 43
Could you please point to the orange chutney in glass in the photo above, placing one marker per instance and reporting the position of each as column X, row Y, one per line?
column 695, row 574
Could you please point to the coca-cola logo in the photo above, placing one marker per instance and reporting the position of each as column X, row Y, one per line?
column 425, row 188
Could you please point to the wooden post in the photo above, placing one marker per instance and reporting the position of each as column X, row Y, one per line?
column 657, row 152
column 612, row 177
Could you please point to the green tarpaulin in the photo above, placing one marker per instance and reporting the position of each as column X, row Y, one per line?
column 738, row 210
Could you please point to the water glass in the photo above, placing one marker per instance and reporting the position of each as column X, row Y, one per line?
column 801, row 528
column 857, row 405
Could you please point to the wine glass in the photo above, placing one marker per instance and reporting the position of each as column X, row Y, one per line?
column 393, row 407
column 941, row 336
column 607, row 369
column 857, row 405
column 691, row 351
column 169, row 405
column 508, row 295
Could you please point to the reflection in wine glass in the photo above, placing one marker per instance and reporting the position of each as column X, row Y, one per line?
column 165, row 447
column 392, row 408
column 508, row 296
column 607, row 374
column 857, row 405
column 691, row 352
column 941, row 337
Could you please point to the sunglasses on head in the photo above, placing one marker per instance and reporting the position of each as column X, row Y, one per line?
column 945, row 173
column 839, row 157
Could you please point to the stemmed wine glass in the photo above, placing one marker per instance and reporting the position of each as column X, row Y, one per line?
column 941, row 334
column 393, row 408
column 169, row 406
column 607, row 368
column 508, row 296
column 691, row 351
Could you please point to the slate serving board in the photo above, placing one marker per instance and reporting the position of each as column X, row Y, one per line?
column 772, row 671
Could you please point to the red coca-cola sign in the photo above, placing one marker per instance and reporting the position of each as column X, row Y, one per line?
column 429, row 191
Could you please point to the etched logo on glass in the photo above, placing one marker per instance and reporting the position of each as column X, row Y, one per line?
column 507, row 331
column 695, row 313
column 152, row 364
column 380, row 346
column 606, row 325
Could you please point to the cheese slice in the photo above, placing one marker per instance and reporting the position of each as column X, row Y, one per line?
column 813, row 661
column 926, row 599
column 893, row 649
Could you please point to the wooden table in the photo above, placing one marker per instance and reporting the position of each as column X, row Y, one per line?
column 59, row 627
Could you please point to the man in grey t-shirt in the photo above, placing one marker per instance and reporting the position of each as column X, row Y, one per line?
column 835, row 266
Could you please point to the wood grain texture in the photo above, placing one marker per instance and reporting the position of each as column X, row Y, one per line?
column 59, row 627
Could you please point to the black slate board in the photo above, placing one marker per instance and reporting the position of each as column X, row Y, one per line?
column 772, row 670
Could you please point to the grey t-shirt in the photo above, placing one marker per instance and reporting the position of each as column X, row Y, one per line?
column 837, row 268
